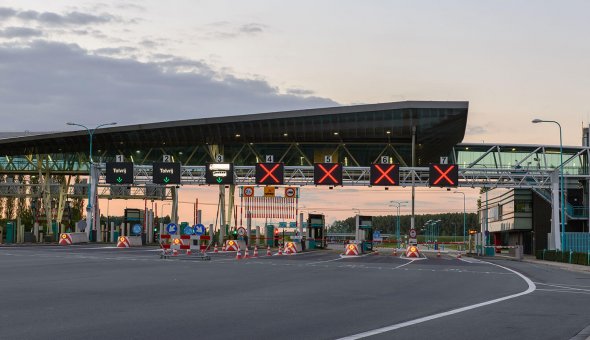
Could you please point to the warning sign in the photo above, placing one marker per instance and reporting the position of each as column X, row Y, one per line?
column 269, row 191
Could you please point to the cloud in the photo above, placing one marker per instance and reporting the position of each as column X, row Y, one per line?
column 44, row 84
column 55, row 19
column 252, row 28
column 226, row 30
column 20, row 32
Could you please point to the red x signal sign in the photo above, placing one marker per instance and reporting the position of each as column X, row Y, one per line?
column 270, row 173
column 385, row 174
column 327, row 174
column 444, row 175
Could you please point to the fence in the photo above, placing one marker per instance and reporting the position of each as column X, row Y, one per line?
column 577, row 242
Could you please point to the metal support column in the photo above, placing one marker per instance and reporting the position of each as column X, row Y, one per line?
column 555, row 231
column 413, row 219
column 174, row 212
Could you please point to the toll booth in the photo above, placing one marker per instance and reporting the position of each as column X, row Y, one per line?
column 133, row 218
column 364, row 232
column 316, row 226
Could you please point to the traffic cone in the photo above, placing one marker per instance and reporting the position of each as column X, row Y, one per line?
column 215, row 250
column 280, row 251
column 238, row 255
column 268, row 253
column 246, row 254
column 438, row 254
column 376, row 251
column 174, row 252
column 188, row 252
column 255, row 252
column 394, row 252
column 459, row 256
column 203, row 252
column 223, row 247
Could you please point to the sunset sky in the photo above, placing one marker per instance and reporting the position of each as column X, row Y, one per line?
column 147, row 61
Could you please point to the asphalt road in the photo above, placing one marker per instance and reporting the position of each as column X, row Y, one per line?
column 91, row 292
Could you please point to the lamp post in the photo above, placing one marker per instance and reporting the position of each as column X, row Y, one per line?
column 397, row 229
column 90, row 136
column 561, row 184
column 464, row 216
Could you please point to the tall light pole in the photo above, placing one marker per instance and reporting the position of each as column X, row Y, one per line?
column 562, row 186
column 464, row 216
column 90, row 136
column 397, row 229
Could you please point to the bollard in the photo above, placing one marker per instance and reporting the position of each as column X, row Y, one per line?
column 571, row 252
column 544, row 250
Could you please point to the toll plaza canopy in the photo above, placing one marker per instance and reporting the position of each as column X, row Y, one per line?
column 353, row 135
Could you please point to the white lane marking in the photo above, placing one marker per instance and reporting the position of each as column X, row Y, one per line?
column 405, row 264
column 332, row 260
column 531, row 288
column 562, row 287
column 563, row 291
column 561, row 284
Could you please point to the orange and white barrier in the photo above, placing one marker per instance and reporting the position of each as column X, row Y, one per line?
column 412, row 251
column 290, row 248
column 65, row 239
column 234, row 245
column 351, row 249
column 128, row 241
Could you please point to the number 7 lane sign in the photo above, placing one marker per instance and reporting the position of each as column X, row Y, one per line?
column 444, row 175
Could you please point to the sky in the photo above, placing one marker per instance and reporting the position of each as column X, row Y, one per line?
column 147, row 61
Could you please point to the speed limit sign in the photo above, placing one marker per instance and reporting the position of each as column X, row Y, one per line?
column 248, row 191
column 412, row 233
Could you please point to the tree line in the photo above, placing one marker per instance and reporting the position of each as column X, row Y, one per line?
column 450, row 223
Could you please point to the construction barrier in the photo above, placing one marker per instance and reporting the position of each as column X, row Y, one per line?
column 128, row 241
column 351, row 249
column 412, row 251
column 66, row 239
column 292, row 248
column 234, row 245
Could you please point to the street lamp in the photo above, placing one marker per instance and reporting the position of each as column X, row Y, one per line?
column 464, row 216
column 562, row 186
column 397, row 229
column 89, row 206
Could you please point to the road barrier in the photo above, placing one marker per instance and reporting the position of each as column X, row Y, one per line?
column 351, row 249
column 128, row 241
column 513, row 251
column 66, row 239
column 412, row 251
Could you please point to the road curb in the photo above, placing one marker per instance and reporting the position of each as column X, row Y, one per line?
column 567, row 266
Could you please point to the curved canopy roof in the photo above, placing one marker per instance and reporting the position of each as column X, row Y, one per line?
column 439, row 126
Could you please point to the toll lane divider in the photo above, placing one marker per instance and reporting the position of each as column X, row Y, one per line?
column 65, row 239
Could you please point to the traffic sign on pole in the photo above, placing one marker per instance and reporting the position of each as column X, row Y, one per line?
column 199, row 229
column 172, row 228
